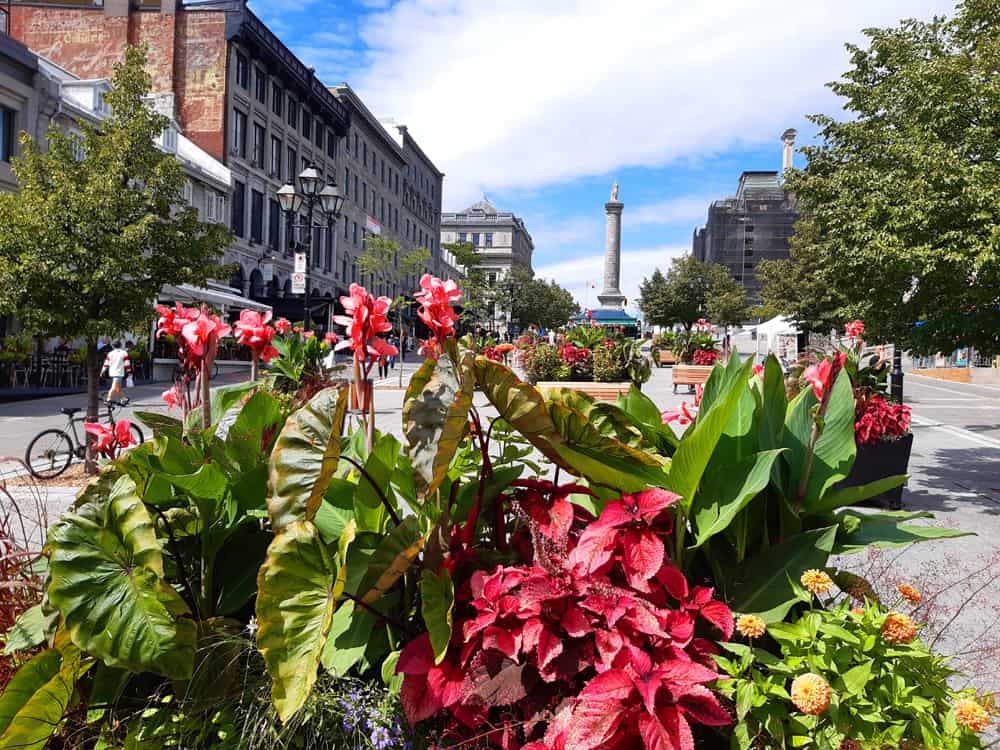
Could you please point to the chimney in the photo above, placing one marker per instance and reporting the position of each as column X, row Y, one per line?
column 788, row 139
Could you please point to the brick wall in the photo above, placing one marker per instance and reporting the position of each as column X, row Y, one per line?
column 156, row 31
column 84, row 41
column 200, row 81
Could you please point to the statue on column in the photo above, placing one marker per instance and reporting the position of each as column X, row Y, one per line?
column 614, row 191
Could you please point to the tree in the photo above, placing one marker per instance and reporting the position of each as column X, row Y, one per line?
column 903, row 196
column 477, row 292
column 88, row 243
column 692, row 290
column 534, row 301
column 799, row 286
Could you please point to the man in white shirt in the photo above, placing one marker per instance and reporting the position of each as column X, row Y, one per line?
column 117, row 367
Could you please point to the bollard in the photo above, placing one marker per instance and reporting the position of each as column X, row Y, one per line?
column 896, row 376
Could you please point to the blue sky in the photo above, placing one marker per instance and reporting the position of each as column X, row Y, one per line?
column 542, row 105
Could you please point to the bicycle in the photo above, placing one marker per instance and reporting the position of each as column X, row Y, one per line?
column 180, row 373
column 51, row 451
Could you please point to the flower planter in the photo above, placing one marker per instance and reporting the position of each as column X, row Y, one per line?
column 666, row 358
column 886, row 458
column 597, row 391
column 690, row 375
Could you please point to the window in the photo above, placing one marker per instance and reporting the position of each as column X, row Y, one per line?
column 220, row 212
column 347, row 187
column 343, row 261
column 489, row 239
column 346, row 228
column 328, row 256
column 355, row 145
column 293, row 112
column 260, row 85
column 364, row 147
column 383, row 171
column 462, row 237
column 364, row 195
column 475, row 239
column 277, row 98
column 273, row 224
column 320, row 132
column 317, row 246
column 238, row 219
column 276, row 151
column 188, row 191
column 239, row 146
column 397, row 183
column 331, row 144
column 381, row 208
column 306, row 124
column 242, row 71
column 210, row 214
column 355, row 190
column 355, row 232
column 6, row 133
column 293, row 159
column 256, row 216
column 258, row 145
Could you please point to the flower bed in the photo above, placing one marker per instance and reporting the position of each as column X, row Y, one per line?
column 278, row 580
column 585, row 354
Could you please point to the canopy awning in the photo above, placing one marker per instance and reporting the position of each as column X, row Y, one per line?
column 224, row 300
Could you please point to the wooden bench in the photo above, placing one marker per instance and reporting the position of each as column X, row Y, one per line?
column 597, row 391
column 666, row 358
column 690, row 375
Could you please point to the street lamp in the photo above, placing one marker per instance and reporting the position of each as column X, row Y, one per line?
column 327, row 200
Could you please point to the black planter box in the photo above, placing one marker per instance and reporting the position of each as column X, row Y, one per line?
column 877, row 461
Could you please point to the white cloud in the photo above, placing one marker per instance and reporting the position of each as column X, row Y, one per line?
column 549, row 235
column 682, row 209
column 579, row 273
column 521, row 94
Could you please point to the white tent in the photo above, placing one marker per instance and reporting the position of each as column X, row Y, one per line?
column 778, row 335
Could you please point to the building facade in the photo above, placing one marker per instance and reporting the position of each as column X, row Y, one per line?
column 500, row 239
column 754, row 225
column 237, row 93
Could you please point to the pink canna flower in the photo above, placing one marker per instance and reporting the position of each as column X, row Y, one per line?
column 436, row 298
column 107, row 440
column 758, row 370
column 173, row 397
column 253, row 332
column 331, row 338
column 283, row 326
column 365, row 319
column 201, row 334
column 855, row 329
column 822, row 376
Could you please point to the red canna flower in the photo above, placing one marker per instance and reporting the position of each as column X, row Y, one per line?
column 172, row 321
column 822, row 376
column 436, row 298
column 365, row 318
column 283, row 326
column 107, row 440
column 331, row 338
column 253, row 332
column 172, row 396
column 201, row 334
column 682, row 415
column 758, row 370
column 855, row 330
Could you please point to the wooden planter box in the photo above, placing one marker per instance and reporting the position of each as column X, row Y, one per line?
column 884, row 459
column 597, row 391
column 690, row 375
column 666, row 358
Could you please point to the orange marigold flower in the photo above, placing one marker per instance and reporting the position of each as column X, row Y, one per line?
column 816, row 581
column 858, row 611
column 909, row 593
column 971, row 715
column 750, row 626
column 898, row 628
column 810, row 693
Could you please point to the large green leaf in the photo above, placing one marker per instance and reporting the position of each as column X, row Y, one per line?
column 394, row 555
column 305, row 457
column 376, row 483
column 33, row 703
column 31, row 628
column 724, row 495
column 207, row 483
column 766, row 584
column 835, row 449
column 295, row 606
column 225, row 397
column 838, row 498
column 436, row 416
column 774, row 404
column 350, row 632
column 253, row 429
column 641, row 407
column 437, row 602
column 161, row 424
column 699, row 442
column 107, row 582
column 863, row 530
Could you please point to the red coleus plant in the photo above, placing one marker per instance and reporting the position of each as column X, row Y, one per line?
column 875, row 419
column 704, row 357
column 591, row 642
column 575, row 356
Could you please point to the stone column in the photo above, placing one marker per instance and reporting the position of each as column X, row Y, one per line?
column 611, row 297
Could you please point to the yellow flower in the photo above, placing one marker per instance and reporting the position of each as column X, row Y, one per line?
column 971, row 715
column 810, row 693
column 898, row 628
column 909, row 593
column 750, row 626
column 816, row 581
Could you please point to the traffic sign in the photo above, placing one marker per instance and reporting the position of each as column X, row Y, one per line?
column 300, row 262
column 298, row 282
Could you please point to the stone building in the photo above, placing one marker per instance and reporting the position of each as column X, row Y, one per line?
column 36, row 94
column 754, row 225
column 238, row 93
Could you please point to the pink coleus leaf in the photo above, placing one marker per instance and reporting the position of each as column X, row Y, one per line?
column 654, row 734
column 642, row 556
column 592, row 725
column 720, row 616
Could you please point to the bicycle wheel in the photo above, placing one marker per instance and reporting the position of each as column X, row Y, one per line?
column 49, row 454
column 137, row 437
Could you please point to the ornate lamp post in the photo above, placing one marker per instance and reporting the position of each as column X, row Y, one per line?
column 326, row 200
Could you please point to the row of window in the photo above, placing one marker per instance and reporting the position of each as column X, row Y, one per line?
column 273, row 159
column 321, row 135
column 473, row 238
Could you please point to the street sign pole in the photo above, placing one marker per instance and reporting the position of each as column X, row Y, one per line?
column 896, row 376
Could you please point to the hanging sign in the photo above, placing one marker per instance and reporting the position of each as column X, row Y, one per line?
column 300, row 262
column 298, row 283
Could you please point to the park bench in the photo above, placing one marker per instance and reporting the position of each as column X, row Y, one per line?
column 666, row 358
column 597, row 391
column 690, row 375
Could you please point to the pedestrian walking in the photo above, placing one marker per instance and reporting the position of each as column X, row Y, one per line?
column 118, row 367
column 395, row 342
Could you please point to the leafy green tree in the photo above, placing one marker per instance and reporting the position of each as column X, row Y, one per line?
column 689, row 291
column 89, row 242
column 534, row 301
column 800, row 286
column 904, row 194
column 477, row 293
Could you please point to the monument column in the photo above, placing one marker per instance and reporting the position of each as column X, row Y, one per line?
column 611, row 298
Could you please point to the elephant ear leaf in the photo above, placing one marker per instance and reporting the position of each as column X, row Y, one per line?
column 393, row 557
column 295, row 606
column 305, row 457
column 106, row 570
column 34, row 702
column 436, row 415
column 437, row 602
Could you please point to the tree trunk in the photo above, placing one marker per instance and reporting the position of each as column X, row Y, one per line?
column 93, row 400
